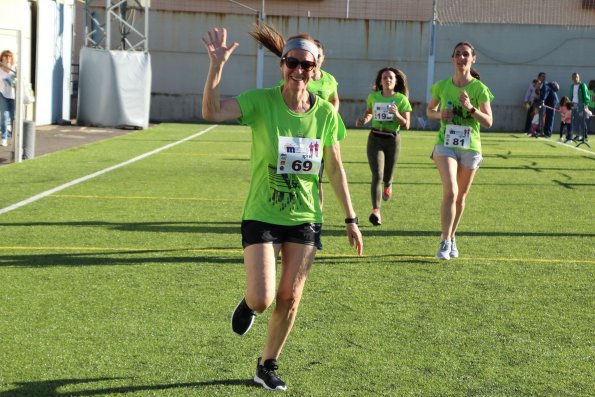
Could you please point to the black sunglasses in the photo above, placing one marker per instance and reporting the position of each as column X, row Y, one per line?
column 293, row 63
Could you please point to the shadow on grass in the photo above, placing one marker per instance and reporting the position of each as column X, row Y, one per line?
column 111, row 258
column 572, row 185
column 234, row 228
column 369, row 230
column 158, row 227
column 50, row 388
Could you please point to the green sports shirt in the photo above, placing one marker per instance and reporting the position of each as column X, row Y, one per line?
column 398, row 99
column 325, row 87
column 445, row 91
column 283, row 199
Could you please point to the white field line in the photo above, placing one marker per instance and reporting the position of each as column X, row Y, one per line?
column 576, row 148
column 39, row 196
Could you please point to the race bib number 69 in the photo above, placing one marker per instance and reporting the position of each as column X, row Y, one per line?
column 299, row 155
column 457, row 136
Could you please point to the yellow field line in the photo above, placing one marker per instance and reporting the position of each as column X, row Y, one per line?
column 323, row 255
column 85, row 178
column 139, row 197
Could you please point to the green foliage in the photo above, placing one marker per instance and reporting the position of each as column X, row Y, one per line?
column 124, row 283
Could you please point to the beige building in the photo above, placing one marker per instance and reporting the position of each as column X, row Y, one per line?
column 542, row 12
column 514, row 41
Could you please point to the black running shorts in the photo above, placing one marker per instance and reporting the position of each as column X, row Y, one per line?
column 256, row 232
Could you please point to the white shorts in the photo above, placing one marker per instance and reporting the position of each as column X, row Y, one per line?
column 466, row 158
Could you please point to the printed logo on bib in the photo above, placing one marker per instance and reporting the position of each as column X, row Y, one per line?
column 381, row 112
column 458, row 136
column 299, row 155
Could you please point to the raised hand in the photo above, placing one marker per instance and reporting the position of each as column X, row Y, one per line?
column 216, row 46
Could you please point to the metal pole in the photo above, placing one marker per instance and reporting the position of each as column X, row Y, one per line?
column 18, row 116
column 260, row 53
column 347, row 10
column 432, row 53
column 67, row 44
column 146, row 27
column 108, row 25
column 86, row 28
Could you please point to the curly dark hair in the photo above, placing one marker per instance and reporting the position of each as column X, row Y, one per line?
column 401, row 85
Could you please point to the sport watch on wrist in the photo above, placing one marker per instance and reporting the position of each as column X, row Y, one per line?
column 352, row 220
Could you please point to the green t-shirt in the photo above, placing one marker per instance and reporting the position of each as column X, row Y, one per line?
column 376, row 99
column 283, row 199
column 592, row 99
column 445, row 91
column 325, row 87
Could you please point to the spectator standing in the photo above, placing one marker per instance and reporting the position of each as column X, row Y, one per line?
column 579, row 96
column 7, row 93
column 591, row 120
column 529, row 101
column 548, row 96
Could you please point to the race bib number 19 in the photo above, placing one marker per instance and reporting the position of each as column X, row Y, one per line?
column 458, row 136
column 381, row 112
column 299, row 155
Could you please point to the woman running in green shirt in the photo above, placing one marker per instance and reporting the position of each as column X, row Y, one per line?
column 389, row 109
column 462, row 104
column 292, row 132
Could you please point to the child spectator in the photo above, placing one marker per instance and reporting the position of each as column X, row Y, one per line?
column 566, row 119
column 535, row 122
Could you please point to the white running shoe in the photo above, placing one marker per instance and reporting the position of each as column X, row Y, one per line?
column 444, row 250
column 4, row 142
column 454, row 251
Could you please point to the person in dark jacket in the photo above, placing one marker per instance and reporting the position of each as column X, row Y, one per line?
column 580, row 98
column 549, row 97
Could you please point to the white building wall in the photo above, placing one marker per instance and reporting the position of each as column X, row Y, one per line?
column 509, row 57
column 53, row 60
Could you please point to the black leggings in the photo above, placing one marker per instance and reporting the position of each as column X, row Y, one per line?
column 383, row 154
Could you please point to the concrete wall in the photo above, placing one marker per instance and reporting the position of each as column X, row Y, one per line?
column 508, row 58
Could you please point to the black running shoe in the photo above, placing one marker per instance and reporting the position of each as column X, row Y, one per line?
column 266, row 376
column 319, row 245
column 242, row 318
column 317, row 239
column 375, row 218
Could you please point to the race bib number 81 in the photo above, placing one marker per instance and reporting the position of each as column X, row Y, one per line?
column 458, row 136
column 299, row 155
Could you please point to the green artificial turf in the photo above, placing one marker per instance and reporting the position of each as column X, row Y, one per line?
column 124, row 283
